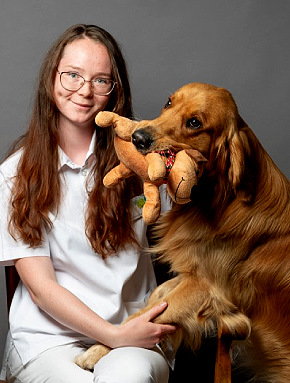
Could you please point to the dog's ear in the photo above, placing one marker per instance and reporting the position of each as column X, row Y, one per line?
column 233, row 149
column 237, row 157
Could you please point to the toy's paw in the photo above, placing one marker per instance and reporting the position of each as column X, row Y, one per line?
column 89, row 358
column 115, row 175
column 110, row 180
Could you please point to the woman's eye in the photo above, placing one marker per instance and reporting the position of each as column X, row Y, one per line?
column 73, row 75
column 101, row 81
column 194, row 123
column 167, row 105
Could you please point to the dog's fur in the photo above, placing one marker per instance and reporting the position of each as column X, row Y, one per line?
column 230, row 245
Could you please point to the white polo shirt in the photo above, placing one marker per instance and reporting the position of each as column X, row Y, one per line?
column 114, row 288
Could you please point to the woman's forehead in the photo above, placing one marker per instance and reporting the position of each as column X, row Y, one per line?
column 85, row 54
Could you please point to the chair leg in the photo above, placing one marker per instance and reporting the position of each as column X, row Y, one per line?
column 223, row 364
column 12, row 280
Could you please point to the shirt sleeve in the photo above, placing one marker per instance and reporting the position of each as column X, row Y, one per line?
column 11, row 249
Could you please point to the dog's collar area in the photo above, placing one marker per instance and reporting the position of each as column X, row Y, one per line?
column 170, row 156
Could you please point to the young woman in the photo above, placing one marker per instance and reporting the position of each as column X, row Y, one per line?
column 76, row 245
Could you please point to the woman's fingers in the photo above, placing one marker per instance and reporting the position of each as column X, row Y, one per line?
column 156, row 310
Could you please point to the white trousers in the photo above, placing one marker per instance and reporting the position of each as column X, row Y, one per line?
column 121, row 365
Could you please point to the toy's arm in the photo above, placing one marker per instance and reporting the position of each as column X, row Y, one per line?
column 113, row 177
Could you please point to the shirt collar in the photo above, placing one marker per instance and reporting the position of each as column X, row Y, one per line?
column 64, row 160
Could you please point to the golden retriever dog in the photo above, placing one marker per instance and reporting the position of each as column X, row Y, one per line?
column 230, row 246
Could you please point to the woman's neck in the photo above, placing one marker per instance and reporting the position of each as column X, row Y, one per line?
column 75, row 141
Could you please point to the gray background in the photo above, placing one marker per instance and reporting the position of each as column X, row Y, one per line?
column 242, row 45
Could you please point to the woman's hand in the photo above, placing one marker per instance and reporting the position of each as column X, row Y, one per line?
column 141, row 331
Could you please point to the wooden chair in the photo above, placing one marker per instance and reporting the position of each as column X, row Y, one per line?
column 223, row 364
column 12, row 280
column 222, row 372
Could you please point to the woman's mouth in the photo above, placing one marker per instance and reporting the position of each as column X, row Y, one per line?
column 81, row 105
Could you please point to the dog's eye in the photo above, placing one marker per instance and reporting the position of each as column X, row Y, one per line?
column 194, row 123
column 167, row 105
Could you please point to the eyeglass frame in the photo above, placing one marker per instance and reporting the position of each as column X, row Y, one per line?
column 91, row 81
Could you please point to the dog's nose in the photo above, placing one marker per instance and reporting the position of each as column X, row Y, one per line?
column 142, row 139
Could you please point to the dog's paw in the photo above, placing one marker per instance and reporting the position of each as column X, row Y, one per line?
column 89, row 358
column 226, row 315
column 237, row 325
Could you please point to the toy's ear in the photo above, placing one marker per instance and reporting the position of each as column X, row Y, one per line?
column 122, row 125
column 184, row 174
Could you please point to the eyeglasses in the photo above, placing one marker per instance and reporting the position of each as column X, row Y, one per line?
column 73, row 81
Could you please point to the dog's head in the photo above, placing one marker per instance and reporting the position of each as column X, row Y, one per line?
column 202, row 117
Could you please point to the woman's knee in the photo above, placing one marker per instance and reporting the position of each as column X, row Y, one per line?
column 52, row 366
column 132, row 365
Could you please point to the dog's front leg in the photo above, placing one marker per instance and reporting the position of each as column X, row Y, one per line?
column 198, row 307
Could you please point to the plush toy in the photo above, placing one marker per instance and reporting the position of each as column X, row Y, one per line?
column 179, row 170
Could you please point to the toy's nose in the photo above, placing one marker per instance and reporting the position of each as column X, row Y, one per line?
column 142, row 139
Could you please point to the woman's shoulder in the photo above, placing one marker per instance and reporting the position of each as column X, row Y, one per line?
column 8, row 168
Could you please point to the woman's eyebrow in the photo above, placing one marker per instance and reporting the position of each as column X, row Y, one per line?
column 79, row 69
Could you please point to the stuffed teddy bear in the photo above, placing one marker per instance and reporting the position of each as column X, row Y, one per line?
column 179, row 170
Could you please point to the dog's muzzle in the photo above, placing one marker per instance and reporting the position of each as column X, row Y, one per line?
column 142, row 140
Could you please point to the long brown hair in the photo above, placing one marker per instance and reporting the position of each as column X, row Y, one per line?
column 36, row 190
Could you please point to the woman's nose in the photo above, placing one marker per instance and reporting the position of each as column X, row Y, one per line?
column 86, row 89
